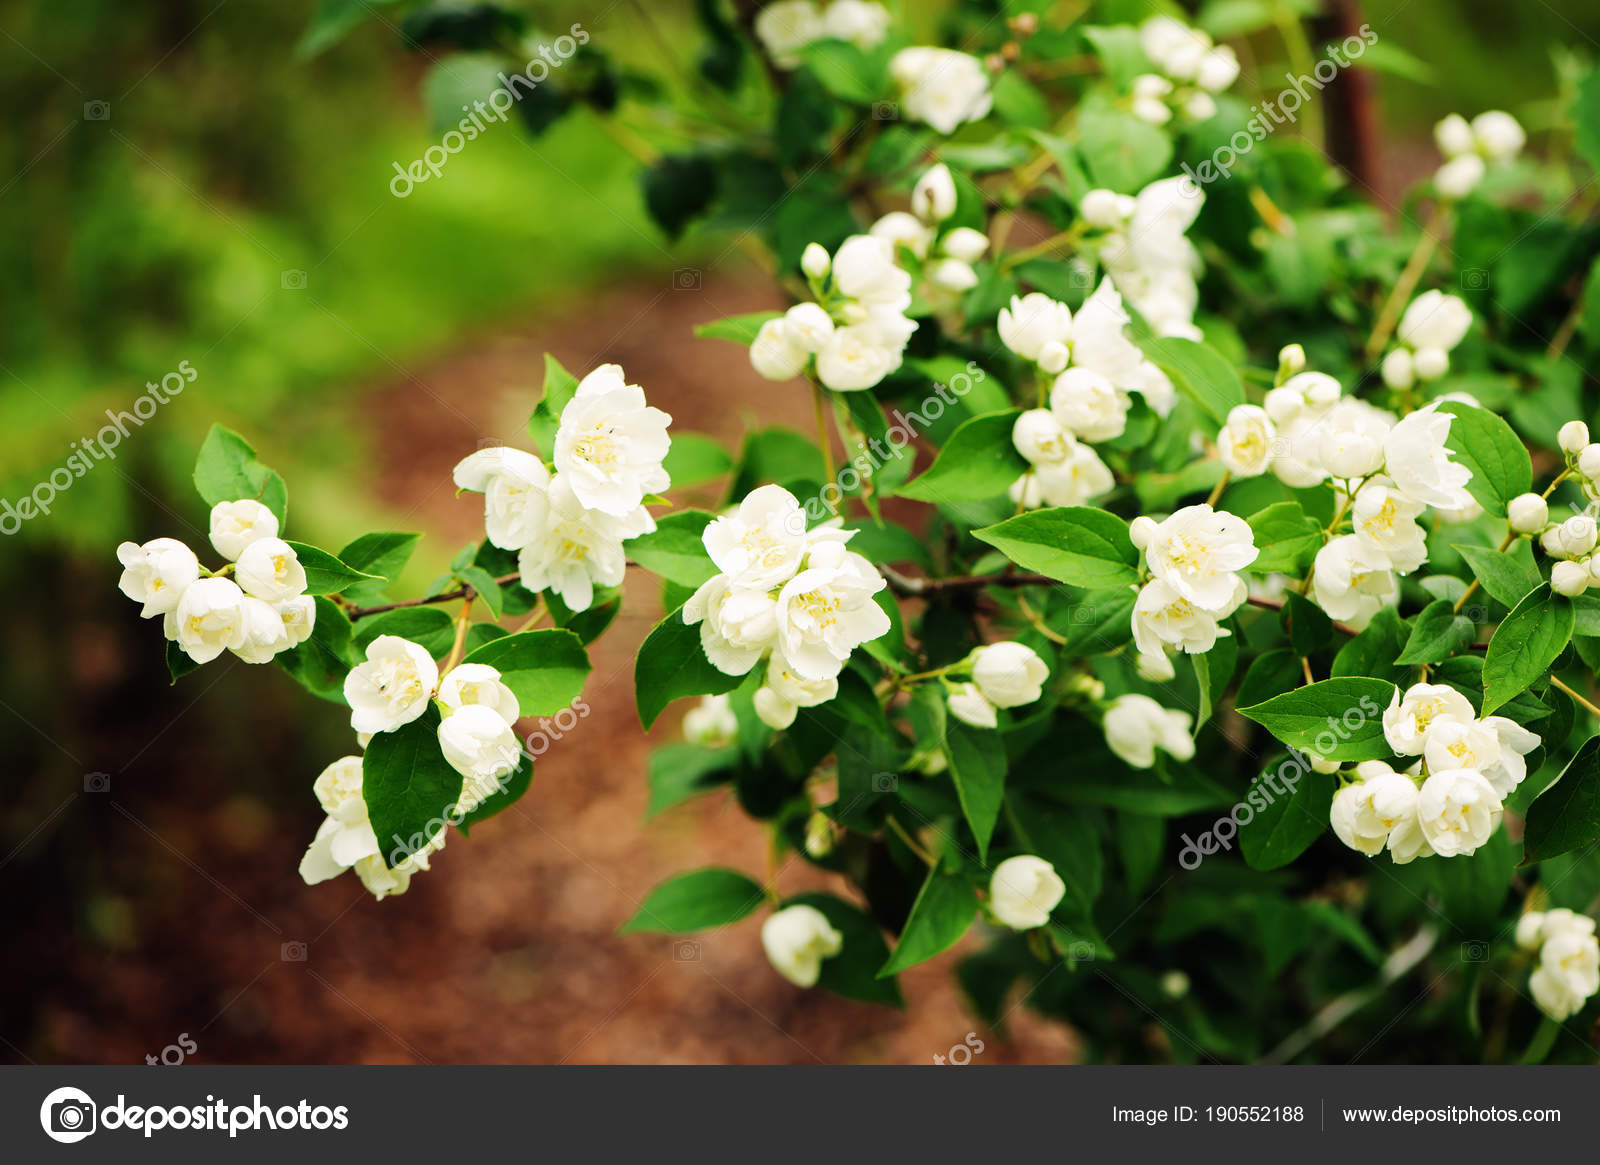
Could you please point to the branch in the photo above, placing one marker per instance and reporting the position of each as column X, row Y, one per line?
column 461, row 592
column 908, row 586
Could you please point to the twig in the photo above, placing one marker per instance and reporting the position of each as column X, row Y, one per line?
column 1407, row 283
column 1557, row 681
column 908, row 586
column 461, row 592
column 1277, row 605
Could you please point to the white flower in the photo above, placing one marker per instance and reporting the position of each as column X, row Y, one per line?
column 1528, row 513
column 1009, row 674
column 809, row 325
column 786, row 691
column 156, row 574
column 1458, row 810
column 392, row 687
column 776, row 352
column 346, row 840
column 786, row 27
column 1454, row 136
column 1459, row 177
column 1431, row 363
column 1174, row 47
column 270, row 569
column 1150, row 92
column 900, row 229
column 965, row 243
column 1162, row 617
column 797, row 939
column 209, row 619
column 234, row 525
column 1087, row 404
column 1516, row 742
column 264, row 632
column 1569, row 578
column 1155, row 667
column 1244, row 445
column 815, row 261
column 1218, row 69
column 1416, row 458
column 738, row 625
column 479, row 744
column 827, row 610
column 1351, row 580
column 1350, row 438
column 860, row 22
column 761, row 545
column 711, row 723
column 1032, row 321
column 610, row 444
column 1365, row 813
column 1196, row 551
column 1081, row 476
column 933, row 199
column 1023, row 891
column 1494, row 746
column 299, row 617
column 1572, row 437
column 941, row 87
column 1105, row 209
column 478, row 685
column 951, row 275
column 1589, row 461
column 864, row 270
column 1498, row 135
column 968, row 705
column 515, row 487
column 1578, row 535
column 1434, row 320
column 1554, row 995
column 1135, row 726
column 1408, row 718
column 1385, row 521
column 1397, row 369
column 858, row 356
column 578, row 548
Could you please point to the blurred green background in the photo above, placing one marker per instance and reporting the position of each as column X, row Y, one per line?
column 178, row 183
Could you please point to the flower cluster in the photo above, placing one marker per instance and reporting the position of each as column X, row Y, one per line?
column 1191, row 66
column 1432, row 325
column 1142, row 242
column 1095, row 369
column 941, row 87
column 1003, row 675
column 262, row 610
column 1571, row 542
column 857, row 331
column 946, row 255
column 1194, row 558
column 1450, row 802
column 1569, row 959
column 787, row 27
column 569, row 526
column 1471, row 147
column 794, row 598
column 346, row 841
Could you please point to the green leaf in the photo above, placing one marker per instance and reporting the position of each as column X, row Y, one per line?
column 1436, row 632
column 560, row 386
column 1586, row 113
column 678, row 188
column 1525, row 645
column 739, row 329
column 694, row 459
column 978, row 768
column 1287, row 537
column 333, row 21
column 979, row 461
column 674, row 550
column 672, row 664
column 852, row 973
column 846, row 71
column 1566, row 816
column 1480, row 440
column 486, row 587
column 382, row 555
column 1067, row 839
column 1373, row 652
column 408, row 786
column 1286, row 821
column 943, row 911
column 1338, row 719
column 1079, row 545
column 1197, row 371
column 1119, row 51
column 179, row 663
column 544, row 669
column 679, row 771
column 698, row 900
column 430, row 627
column 325, row 574
column 322, row 661
column 1507, row 575
column 227, row 470
column 512, row 786
column 1122, row 152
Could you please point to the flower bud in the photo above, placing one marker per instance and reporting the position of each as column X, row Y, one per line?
column 1398, row 370
column 1550, row 542
column 1569, row 578
column 797, row 939
column 1528, row 513
column 1291, row 359
column 1100, row 208
column 1574, row 435
column 814, row 261
column 1578, row 535
column 1009, row 674
column 1321, row 764
column 1431, row 363
column 1589, row 461
column 1053, row 357
column 1023, row 891
column 819, row 835
column 1140, row 530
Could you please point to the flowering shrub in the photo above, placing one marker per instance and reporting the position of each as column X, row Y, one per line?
column 1195, row 621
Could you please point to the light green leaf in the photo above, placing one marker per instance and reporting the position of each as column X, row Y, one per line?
column 1338, row 719
column 227, row 470
column 1287, row 538
column 1507, row 575
column 943, row 911
column 739, row 329
column 1525, row 645
column 698, row 900
column 1436, row 632
column 1286, row 821
column 979, row 461
column 672, row 664
column 1198, row 372
column 674, row 549
column 544, row 669
column 325, row 574
column 1079, row 545
column 1480, row 440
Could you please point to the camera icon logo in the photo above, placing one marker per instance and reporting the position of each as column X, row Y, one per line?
column 293, row 280
column 885, row 111
column 1474, row 279
column 1475, row 951
column 97, row 782
column 686, row 279
column 67, row 1115
column 685, row 951
column 97, row 111
column 294, row 952
column 1081, row 952
column 885, row 782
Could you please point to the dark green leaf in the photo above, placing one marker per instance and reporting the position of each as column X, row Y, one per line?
column 698, row 900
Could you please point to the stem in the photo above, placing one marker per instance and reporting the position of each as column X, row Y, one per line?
column 1564, row 333
column 1472, row 587
column 1558, row 682
column 822, row 435
column 1298, row 48
column 906, row 585
column 1543, row 1040
column 1407, row 283
column 461, row 592
column 463, row 622
column 911, row 843
column 1216, row 490
column 1017, row 258
column 1277, row 605
column 534, row 616
column 1038, row 622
